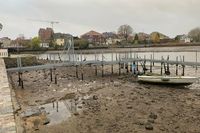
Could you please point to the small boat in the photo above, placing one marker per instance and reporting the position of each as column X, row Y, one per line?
column 176, row 80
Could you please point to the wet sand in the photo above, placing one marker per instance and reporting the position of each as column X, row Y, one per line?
column 114, row 104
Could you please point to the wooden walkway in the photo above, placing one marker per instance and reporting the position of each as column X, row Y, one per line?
column 7, row 121
column 100, row 63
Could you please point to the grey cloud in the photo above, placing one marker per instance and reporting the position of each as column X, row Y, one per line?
column 78, row 16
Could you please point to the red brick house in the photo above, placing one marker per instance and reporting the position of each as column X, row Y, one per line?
column 45, row 34
column 94, row 37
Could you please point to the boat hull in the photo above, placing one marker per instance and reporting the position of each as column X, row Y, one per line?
column 178, row 80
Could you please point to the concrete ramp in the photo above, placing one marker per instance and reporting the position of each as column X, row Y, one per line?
column 7, row 120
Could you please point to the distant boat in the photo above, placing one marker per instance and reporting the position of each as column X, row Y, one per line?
column 175, row 80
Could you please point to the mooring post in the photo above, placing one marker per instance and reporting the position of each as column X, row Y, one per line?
column 153, row 58
column 168, row 64
column 176, row 65
column 161, row 69
column 57, row 106
column 22, row 83
column 183, row 74
column 151, row 65
column 81, row 66
column 102, row 64
column 55, row 75
column 144, row 67
column 76, row 71
column 51, row 74
column 112, row 64
column 119, row 65
column 137, row 64
column 196, row 60
column 19, row 79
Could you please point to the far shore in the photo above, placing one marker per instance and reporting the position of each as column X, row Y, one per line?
column 193, row 47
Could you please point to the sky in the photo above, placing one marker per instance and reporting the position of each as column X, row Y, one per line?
column 170, row 17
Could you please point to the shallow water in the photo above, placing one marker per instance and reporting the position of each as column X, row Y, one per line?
column 60, row 111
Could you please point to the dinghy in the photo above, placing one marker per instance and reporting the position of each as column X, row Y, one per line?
column 176, row 80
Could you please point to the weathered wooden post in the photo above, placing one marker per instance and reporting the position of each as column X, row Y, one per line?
column 168, row 71
column 183, row 74
column 81, row 66
column 96, row 64
column 112, row 64
column 144, row 66
column 51, row 74
column 102, row 64
column 119, row 65
column 161, row 69
column 151, row 65
column 55, row 78
column 137, row 63
column 153, row 58
column 196, row 60
column 19, row 79
column 176, row 65
column 76, row 71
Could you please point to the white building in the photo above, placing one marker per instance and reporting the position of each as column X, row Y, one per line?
column 44, row 45
column 3, row 53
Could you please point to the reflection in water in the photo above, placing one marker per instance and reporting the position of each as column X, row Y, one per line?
column 60, row 111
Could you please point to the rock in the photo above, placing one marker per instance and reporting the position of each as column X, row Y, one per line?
column 129, row 107
column 95, row 97
column 148, row 126
column 46, row 121
column 151, row 120
column 153, row 116
column 76, row 113
column 116, row 84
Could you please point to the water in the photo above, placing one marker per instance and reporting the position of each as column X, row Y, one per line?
column 188, row 56
column 60, row 111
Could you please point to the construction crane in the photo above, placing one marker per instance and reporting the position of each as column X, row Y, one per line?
column 47, row 21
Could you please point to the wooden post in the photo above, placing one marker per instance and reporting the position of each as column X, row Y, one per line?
column 176, row 65
column 134, row 70
column 19, row 79
column 137, row 64
column 119, row 65
column 51, row 74
column 55, row 78
column 144, row 67
column 95, row 65
column 102, row 65
column 81, row 67
column 183, row 74
column 76, row 71
column 151, row 65
column 196, row 60
column 22, row 83
column 112, row 64
column 161, row 69
column 153, row 58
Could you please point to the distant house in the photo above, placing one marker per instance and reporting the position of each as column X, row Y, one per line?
column 143, row 37
column 111, row 38
column 94, row 37
column 157, row 37
column 3, row 53
column 44, row 45
column 183, row 38
column 61, row 38
column 45, row 35
column 5, row 42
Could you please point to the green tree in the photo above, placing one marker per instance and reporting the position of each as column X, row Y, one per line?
column 35, row 43
column 136, row 38
column 81, row 43
column 125, row 31
column 195, row 34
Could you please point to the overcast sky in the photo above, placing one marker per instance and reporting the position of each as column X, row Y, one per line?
column 170, row 17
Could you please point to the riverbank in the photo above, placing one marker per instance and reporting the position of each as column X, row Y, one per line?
column 111, row 103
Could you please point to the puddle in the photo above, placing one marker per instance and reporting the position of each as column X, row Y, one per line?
column 60, row 111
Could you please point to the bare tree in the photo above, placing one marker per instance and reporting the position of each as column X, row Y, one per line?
column 195, row 34
column 125, row 31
